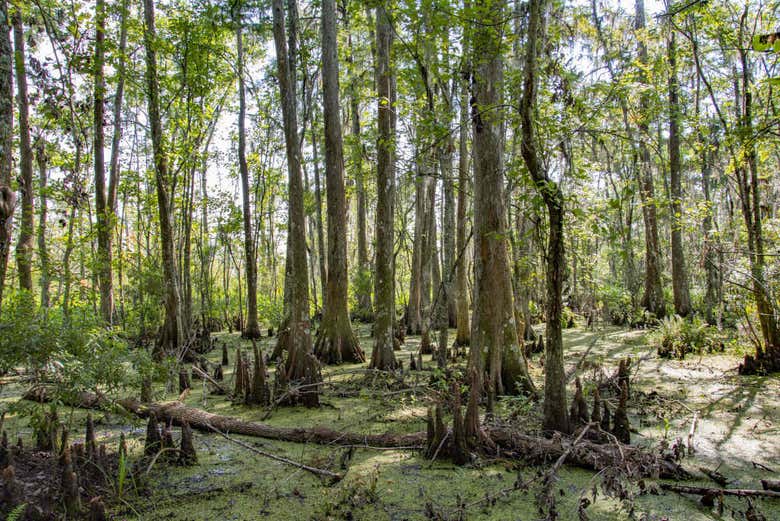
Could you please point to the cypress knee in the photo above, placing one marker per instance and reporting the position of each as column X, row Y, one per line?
column 187, row 454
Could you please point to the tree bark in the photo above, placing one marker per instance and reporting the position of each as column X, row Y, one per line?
column 300, row 365
column 24, row 245
column 103, row 264
column 7, row 196
column 750, row 197
column 364, row 311
column 555, row 411
column 172, row 331
column 383, row 357
column 43, row 251
column 336, row 342
column 463, row 335
column 495, row 351
column 653, row 297
column 251, row 327
column 682, row 297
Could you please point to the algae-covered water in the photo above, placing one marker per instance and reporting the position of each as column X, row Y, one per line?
column 737, row 432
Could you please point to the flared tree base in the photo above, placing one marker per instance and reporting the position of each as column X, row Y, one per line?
column 338, row 345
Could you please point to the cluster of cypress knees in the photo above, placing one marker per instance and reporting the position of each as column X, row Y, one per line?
column 84, row 468
column 81, row 467
column 466, row 435
column 250, row 377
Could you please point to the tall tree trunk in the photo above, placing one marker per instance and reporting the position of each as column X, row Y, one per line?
column 555, row 411
column 463, row 336
column 363, row 286
column 495, row 350
column 444, row 297
column 172, row 331
column 750, row 197
column 24, row 246
column 300, row 366
column 653, row 297
column 682, row 297
column 251, row 327
column 43, row 251
column 336, row 342
column 414, row 308
column 107, row 304
column 321, row 245
column 7, row 196
column 429, row 260
column 103, row 264
column 382, row 356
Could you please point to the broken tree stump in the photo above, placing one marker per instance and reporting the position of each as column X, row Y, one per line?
column 187, row 454
column 621, row 429
column 153, row 442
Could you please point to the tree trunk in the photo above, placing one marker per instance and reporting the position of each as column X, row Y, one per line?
column 172, row 331
column 103, row 213
column 382, row 356
column 463, row 335
column 300, row 366
column 653, row 297
column 363, row 286
column 43, row 251
column 495, row 350
column 682, row 297
column 7, row 196
column 414, row 308
column 750, row 197
column 336, row 342
column 251, row 327
column 555, row 411
column 321, row 245
column 24, row 246
column 533, row 450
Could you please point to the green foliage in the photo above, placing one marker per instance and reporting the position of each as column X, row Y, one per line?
column 74, row 353
column 676, row 336
column 17, row 512
column 615, row 301
column 269, row 311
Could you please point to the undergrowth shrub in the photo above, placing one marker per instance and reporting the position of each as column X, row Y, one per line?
column 676, row 337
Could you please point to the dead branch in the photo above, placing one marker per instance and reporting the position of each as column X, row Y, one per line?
column 715, row 492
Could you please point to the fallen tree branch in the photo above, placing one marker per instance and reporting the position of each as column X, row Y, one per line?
column 203, row 374
column 314, row 470
column 529, row 448
column 714, row 492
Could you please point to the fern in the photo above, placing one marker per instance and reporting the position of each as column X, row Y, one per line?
column 16, row 513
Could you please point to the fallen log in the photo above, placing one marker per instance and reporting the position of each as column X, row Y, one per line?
column 205, row 421
column 510, row 442
column 715, row 492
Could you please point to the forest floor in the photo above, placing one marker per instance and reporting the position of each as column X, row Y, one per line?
column 738, row 433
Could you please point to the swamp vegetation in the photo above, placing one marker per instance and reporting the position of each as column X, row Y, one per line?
column 392, row 260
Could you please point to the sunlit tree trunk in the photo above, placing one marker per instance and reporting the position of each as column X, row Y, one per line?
column 172, row 330
column 555, row 411
column 463, row 335
column 24, row 246
column 43, row 250
column 382, row 356
column 495, row 350
column 7, row 196
column 300, row 366
column 251, row 328
column 653, row 297
column 363, row 288
column 682, row 297
column 336, row 342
